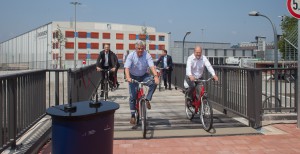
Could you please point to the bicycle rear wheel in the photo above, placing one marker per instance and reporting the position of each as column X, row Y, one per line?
column 143, row 117
column 189, row 109
column 206, row 114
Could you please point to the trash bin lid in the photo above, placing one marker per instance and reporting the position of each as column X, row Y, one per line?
column 83, row 109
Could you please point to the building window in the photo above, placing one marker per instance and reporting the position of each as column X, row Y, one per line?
column 131, row 46
column 69, row 34
column 142, row 37
column 81, row 34
column 69, row 45
column 94, row 45
column 53, row 46
column 94, row 56
column 152, row 46
column 106, row 36
column 82, row 56
column 95, row 35
column 161, row 38
column 152, row 37
column 53, row 35
column 55, row 56
column 69, row 56
column 82, row 45
column 119, row 46
column 56, row 45
column 119, row 36
column 161, row 47
column 132, row 37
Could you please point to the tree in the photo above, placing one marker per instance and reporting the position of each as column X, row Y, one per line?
column 288, row 26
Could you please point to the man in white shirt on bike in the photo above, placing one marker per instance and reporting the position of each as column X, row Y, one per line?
column 194, row 70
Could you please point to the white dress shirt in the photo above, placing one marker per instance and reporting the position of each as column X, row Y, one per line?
column 195, row 66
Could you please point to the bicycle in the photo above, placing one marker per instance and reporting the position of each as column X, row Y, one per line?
column 106, row 83
column 141, row 109
column 201, row 106
column 160, row 74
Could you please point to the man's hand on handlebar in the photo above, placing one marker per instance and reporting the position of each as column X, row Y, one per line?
column 113, row 69
column 128, row 80
column 192, row 78
column 215, row 77
column 98, row 69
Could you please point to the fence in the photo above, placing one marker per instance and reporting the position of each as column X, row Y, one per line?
column 248, row 92
column 24, row 97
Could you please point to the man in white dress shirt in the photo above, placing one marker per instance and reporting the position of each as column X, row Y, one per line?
column 194, row 70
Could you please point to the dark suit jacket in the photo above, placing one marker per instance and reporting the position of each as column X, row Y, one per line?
column 169, row 62
column 112, row 60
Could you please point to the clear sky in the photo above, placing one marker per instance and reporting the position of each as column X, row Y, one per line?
column 208, row 20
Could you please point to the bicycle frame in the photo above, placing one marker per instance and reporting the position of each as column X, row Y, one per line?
column 196, row 101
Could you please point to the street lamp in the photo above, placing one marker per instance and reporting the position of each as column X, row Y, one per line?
column 255, row 13
column 75, row 53
column 187, row 33
column 169, row 41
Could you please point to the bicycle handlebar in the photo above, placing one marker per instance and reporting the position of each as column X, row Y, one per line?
column 143, row 83
column 198, row 80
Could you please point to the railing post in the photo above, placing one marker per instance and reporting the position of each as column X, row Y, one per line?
column 56, row 88
column 254, row 98
column 12, row 109
column 224, row 89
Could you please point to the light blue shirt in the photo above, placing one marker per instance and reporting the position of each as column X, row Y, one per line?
column 138, row 66
column 165, row 62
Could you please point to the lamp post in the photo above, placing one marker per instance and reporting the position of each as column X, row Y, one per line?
column 169, row 41
column 187, row 33
column 255, row 13
column 75, row 53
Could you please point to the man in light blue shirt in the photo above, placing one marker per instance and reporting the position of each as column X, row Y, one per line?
column 136, row 67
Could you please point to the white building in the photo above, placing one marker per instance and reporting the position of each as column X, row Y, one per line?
column 41, row 48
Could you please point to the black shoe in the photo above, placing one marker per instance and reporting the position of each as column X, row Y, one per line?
column 166, row 88
column 170, row 88
column 102, row 94
column 118, row 85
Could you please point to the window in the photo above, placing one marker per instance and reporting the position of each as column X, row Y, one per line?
column 142, row 37
column 82, row 35
column 161, row 47
column 82, row 45
column 132, row 37
column 53, row 35
column 152, row 37
column 152, row 46
column 82, row 56
column 69, row 45
column 53, row 46
column 161, row 38
column 94, row 45
column 119, row 36
column 56, row 45
column 119, row 46
column 95, row 35
column 69, row 34
column 94, row 56
column 131, row 46
column 106, row 36
column 69, row 56
column 55, row 56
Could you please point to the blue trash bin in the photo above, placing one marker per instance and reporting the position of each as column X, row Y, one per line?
column 86, row 130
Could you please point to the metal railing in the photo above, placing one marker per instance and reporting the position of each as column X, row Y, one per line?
column 248, row 92
column 24, row 97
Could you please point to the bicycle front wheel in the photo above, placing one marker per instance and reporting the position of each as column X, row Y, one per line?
column 106, row 90
column 159, row 84
column 143, row 117
column 206, row 114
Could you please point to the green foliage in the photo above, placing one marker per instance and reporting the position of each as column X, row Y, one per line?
column 287, row 25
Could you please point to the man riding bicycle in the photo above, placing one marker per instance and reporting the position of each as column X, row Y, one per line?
column 136, row 66
column 106, row 60
column 194, row 70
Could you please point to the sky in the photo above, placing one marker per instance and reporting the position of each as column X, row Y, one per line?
column 224, row 21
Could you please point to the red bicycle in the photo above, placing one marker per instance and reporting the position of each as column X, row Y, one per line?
column 200, row 106
column 141, row 109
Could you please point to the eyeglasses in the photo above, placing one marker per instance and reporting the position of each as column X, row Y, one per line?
column 140, row 48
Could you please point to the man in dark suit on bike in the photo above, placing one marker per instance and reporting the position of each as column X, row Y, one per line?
column 167, row 65
column 106, row 60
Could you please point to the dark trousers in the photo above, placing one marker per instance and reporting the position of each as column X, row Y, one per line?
column 111, row 77
column 167, row 74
